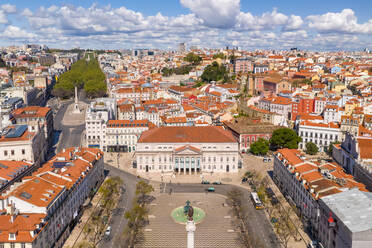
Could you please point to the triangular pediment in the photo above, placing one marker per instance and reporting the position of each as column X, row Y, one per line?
column 187, row 150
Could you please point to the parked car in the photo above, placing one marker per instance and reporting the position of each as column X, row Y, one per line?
column 266, row 159
column 211, row 189
column 217, row 183
column 108, row 231
column 270, row 192
column 205, row 182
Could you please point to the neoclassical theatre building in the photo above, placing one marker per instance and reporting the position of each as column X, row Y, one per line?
column 187, row 150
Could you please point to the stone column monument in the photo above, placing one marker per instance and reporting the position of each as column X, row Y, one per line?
column 190, row 228
column 76, row 106
column 190, row 225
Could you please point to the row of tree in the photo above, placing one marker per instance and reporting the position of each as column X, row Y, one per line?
column 84, row 75
column 284, row 226
column 137, row 216
column 95, row 227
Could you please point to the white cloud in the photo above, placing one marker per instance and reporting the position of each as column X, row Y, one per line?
column 14, row 32
column 210, row 23
column 343, row 22
column 267, row 21
column 3, row 17
column 294, row 22
column 216, row 13
column 26, row 12
column 9, row 8
column 294, row 34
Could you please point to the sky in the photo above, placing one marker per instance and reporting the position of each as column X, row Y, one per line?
column 120, row 24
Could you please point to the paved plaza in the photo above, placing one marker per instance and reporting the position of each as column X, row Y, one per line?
column 124, row 162
column 73, row 119
column 215, row 230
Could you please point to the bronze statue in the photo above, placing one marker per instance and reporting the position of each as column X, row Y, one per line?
column 190, row 213
column 188, row 210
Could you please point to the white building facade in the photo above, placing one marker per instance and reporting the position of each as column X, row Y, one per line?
column 320, row 134
column 97, row 115
column 187, row 150
column 122, row 135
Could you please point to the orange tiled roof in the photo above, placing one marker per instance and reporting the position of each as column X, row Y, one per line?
column 365, row 148
column 313, row 124
column 31, row 111
column 207, row 134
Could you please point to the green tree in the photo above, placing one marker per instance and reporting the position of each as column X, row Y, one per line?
column 311, row 148
column 2, row 63
column 193, row 58
column 219, row 56
column 214, row 72
column 136, row 217
column 95, row 228
column 260, row 147
column 143, row 189
column 83, row 74
column 232, row 58
column 284, row 138
column 330, row 147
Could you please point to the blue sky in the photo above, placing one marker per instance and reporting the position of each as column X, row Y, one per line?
column 266, row 24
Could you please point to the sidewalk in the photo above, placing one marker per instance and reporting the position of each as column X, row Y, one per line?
column 77, row 235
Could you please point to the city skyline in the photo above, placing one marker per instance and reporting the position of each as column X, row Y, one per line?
column 153, row 24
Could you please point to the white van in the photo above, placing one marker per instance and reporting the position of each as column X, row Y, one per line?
column 108, row 231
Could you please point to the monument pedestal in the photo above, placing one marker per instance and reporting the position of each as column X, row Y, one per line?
column 76, row 109
column 190, row 229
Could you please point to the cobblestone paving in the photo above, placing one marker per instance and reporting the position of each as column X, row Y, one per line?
column 215, row 231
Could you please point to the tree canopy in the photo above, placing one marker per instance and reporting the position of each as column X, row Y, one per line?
column 2, row 63
column 182, row 70
column 193, row 58
column 260, row 147
column 330, row 147
column 311, row 148
column 284, row 138
column 219, row 56
column 83, row 74
column 297, row 82
column 214, row 72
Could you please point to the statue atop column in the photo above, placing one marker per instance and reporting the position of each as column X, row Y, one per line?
column 76, row 106
column 190, row 225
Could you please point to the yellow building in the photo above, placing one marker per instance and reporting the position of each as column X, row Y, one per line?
column 351, row 105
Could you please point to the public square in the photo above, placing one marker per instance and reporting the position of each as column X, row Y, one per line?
column 215, row 230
